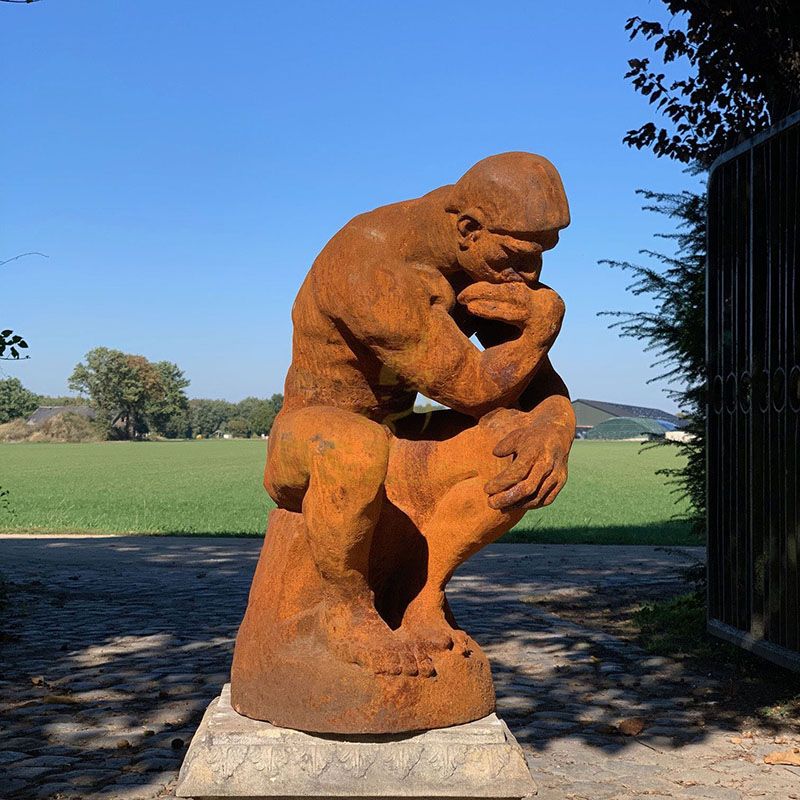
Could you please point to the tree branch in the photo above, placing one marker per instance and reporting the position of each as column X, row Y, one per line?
column 34, row 252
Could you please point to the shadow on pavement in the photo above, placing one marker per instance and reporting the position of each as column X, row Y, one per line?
column 111, row 648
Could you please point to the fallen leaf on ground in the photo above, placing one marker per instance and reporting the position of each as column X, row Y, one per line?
column 789, row 758
column 632, row 726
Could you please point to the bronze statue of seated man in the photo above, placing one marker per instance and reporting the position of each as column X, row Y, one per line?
column 348, row 629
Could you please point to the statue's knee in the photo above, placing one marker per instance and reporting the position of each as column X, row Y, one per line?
column 286, row 473
column 376, row 446
column 270, row 484
column 502, row 420
column 369, row 455
column 358, row 438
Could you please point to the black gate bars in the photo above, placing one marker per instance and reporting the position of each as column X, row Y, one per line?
column 753, row 359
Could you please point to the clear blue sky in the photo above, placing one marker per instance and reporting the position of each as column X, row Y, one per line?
column 182, row 163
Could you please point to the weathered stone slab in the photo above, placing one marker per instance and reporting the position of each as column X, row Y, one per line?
column 233, row 756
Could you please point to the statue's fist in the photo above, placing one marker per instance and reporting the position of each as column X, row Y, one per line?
column 540, row 308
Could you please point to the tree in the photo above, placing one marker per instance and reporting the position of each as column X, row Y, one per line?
column 246, row 410
column 177, row 426
column 742, row 62
column 15, row 400
column 167, row 402
column 60, row 400
column 259, row 414
column 11, row 343
column 115, row 389
column 264, row 417
column 206, row 417
column 238, row 426
column 675, row 329
column 130, row 393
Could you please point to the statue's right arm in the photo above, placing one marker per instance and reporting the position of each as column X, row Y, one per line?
column 403, row 317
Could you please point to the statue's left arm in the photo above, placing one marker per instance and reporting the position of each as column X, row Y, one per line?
column 540, row 446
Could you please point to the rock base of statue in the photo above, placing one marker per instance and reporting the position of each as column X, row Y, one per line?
column 233, row 756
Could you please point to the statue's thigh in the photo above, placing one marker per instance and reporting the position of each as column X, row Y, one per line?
column 329, row 445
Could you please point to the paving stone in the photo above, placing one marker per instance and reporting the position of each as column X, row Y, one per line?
column 9, row 756
column 154, row 763
column 545, row 728
column 554, row 715
column 28, row 773
column 48, row 761
column 51, row 791
column 89, row 777
column 11, row 786
column 125, row 791
column 710, row 793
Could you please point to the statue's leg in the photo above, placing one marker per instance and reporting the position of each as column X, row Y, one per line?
column 331, row 465
column 457, row 520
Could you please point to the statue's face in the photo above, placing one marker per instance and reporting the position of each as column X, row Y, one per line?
column 501, row 256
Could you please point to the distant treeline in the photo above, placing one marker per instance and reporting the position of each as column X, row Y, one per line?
column 252, row 416
column 133, row 398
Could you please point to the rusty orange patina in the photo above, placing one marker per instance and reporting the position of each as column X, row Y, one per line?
column 347, row 628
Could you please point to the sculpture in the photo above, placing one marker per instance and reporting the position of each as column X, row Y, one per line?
column 347, row 628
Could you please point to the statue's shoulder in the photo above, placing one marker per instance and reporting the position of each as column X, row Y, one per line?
column 365, row 270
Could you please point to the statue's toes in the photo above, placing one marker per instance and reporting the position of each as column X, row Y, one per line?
column 424, row 664
column 418, row 661
column 384, row 662
column 401, row 658
column 462, row 643
column 435, row 639
column 408, row 661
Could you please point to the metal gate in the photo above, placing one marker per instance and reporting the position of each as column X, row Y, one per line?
column 753, row 358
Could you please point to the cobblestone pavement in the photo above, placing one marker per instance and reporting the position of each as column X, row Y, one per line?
column 111, row 648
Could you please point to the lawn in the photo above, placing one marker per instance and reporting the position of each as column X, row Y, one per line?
column 214, row 487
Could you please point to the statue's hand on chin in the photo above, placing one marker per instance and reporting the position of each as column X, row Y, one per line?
column 537, row 310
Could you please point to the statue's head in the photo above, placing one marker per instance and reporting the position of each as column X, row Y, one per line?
column 507, row 210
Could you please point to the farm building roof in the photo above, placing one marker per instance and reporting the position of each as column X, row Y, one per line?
column 634, row 412
column 626, row 428
column 43, row 413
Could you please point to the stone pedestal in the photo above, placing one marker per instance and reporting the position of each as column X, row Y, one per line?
column 233, row 756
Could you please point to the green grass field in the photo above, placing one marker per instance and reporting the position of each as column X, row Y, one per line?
column 214, row 487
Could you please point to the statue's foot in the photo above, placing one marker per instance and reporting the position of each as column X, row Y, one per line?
column 429, row 628
column 358, row 635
